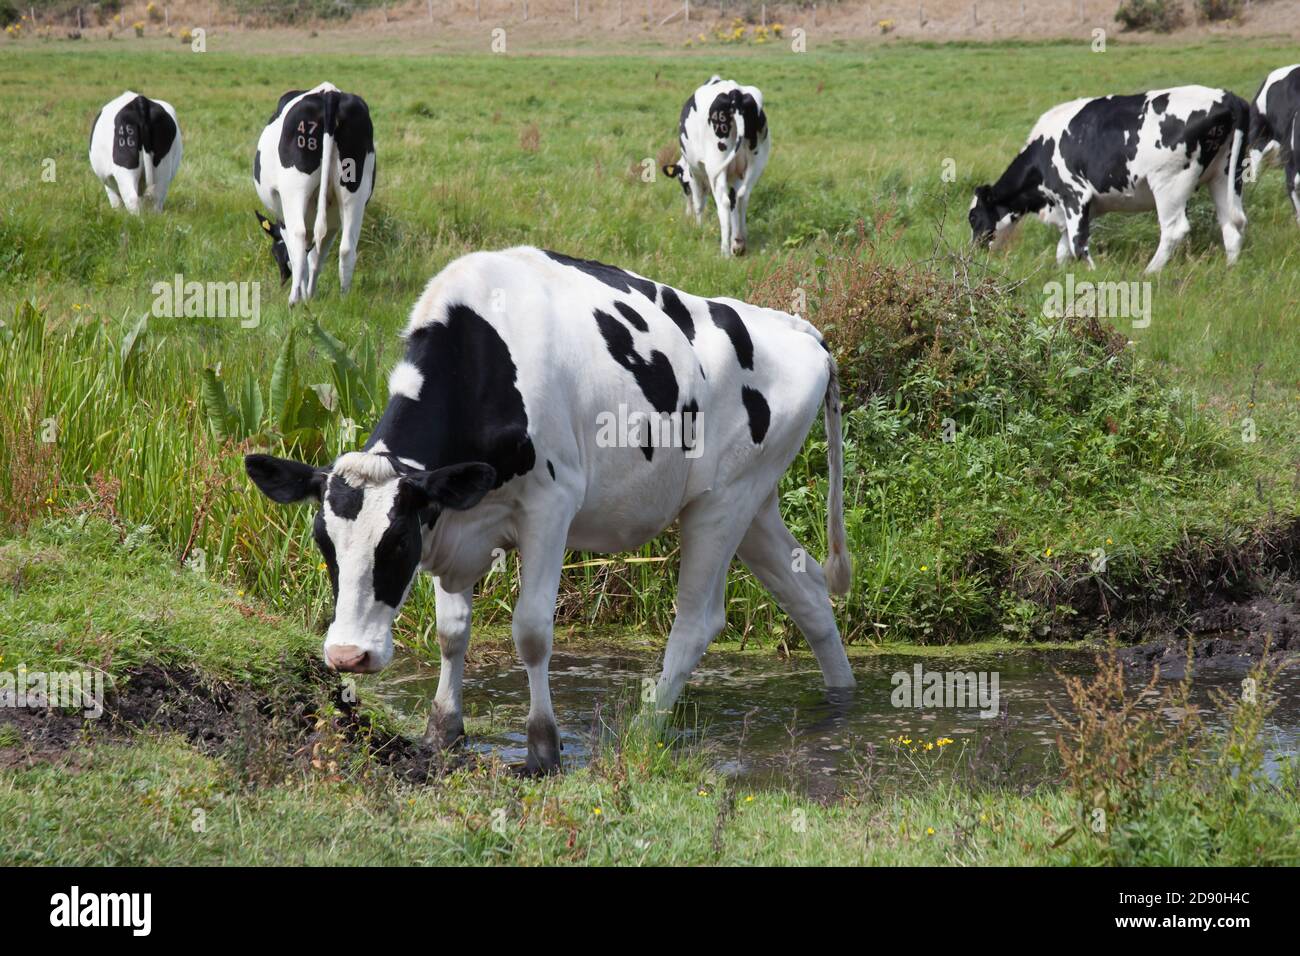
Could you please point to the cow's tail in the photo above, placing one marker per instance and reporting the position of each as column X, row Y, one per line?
column 839, row 565
column 327, row 177
column 1241, row 122
column 145, row 139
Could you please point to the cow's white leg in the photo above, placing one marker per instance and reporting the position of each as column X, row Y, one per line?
column 541, row 556
column 129, row 189
column 799, row 586
column 744, row 190
column 294, row 232
column 160, row 187
column 446, row 721
column 695, row 202
column 316, row 256
column 710, row 533
column 1063, row 247
column 1292, row 183
column 723, row 202
column 114, row 199
column 1171, row 206
column 353, row 209
column 1231, row 215
column 1078, row 228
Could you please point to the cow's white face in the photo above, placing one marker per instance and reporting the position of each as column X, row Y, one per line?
column 370, row 531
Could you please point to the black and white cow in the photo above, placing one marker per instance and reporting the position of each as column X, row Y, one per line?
column 1124, row 154
column 321, row 128
column 1275, row 130
column 135, row 150
column 497, row 435
column 725, row 145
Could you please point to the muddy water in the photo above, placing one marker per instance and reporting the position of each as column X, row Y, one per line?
column 769, row 722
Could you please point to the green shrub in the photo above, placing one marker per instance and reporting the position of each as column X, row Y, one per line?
column 1219, row 9
column 1159, row 15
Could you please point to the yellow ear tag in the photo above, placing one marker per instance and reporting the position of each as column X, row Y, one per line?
column 266, row 225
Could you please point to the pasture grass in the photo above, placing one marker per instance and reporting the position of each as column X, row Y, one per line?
column 486, row 151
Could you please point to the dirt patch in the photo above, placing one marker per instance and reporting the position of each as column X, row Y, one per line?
column 1231, row 635
column 303, row 725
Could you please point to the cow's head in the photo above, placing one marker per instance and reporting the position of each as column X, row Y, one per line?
column 678, row 172
column 989, row 219
column 371, row 527
column 279, row 252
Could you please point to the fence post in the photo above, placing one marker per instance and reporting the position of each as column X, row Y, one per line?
column 764, row 17
column 688, row 10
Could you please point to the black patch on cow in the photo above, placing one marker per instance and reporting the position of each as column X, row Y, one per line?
column 1100, row 143
column 550, row 468
column 344, row 500
column 654, row 377
column 725, row 106
column 257, row 166
column 327, row 551
column 612, row 276
column 690, row 425
column 303, row 131
column 397, row 555
column 760, row 415
column 676, row 310
column 469, row 408
column 647, row 448
column 141, row 125
column 283, row 102
column 632, row 315
column 731, row 197
column 727, row 319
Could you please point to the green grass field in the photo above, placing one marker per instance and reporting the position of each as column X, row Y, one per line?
column 1069, row 447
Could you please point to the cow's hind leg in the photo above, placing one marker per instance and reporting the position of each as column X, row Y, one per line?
column 110, row 187
column 1231, row 215
column 1171, row 196
column 446, row 721
column 799, row 586
column 352, row 210
column 710, row 533
column 541, row 557
column 317, row 255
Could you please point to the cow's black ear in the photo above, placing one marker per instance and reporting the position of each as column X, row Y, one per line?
column 673, row 171
column 267, row 225
column 458, row 487
column 283, row 481
column 984, row 193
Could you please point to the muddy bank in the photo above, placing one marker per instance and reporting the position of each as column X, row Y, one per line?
column 303, row 724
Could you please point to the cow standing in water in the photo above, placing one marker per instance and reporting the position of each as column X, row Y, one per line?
column 725, row 145
column 315, row 170
column 547, row 403
column 1275, row 130
column 135, row 150
column 1124, row 154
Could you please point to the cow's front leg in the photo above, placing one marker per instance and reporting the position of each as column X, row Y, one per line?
column 1078, row 228
column 696, row 196
column 446, row 721
column 1171, row 207
column 541, row 556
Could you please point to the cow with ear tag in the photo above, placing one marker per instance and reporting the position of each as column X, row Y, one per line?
column 498, row 435
column 275, row 232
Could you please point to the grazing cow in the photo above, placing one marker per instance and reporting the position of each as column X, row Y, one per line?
column 135, row 140
column 547, row 403
column 1127, row 154
column 311, row 131
column 1275, row 130
column 725, row 145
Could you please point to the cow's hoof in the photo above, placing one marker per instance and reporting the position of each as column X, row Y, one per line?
column 444, row 733
column 543, row 747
